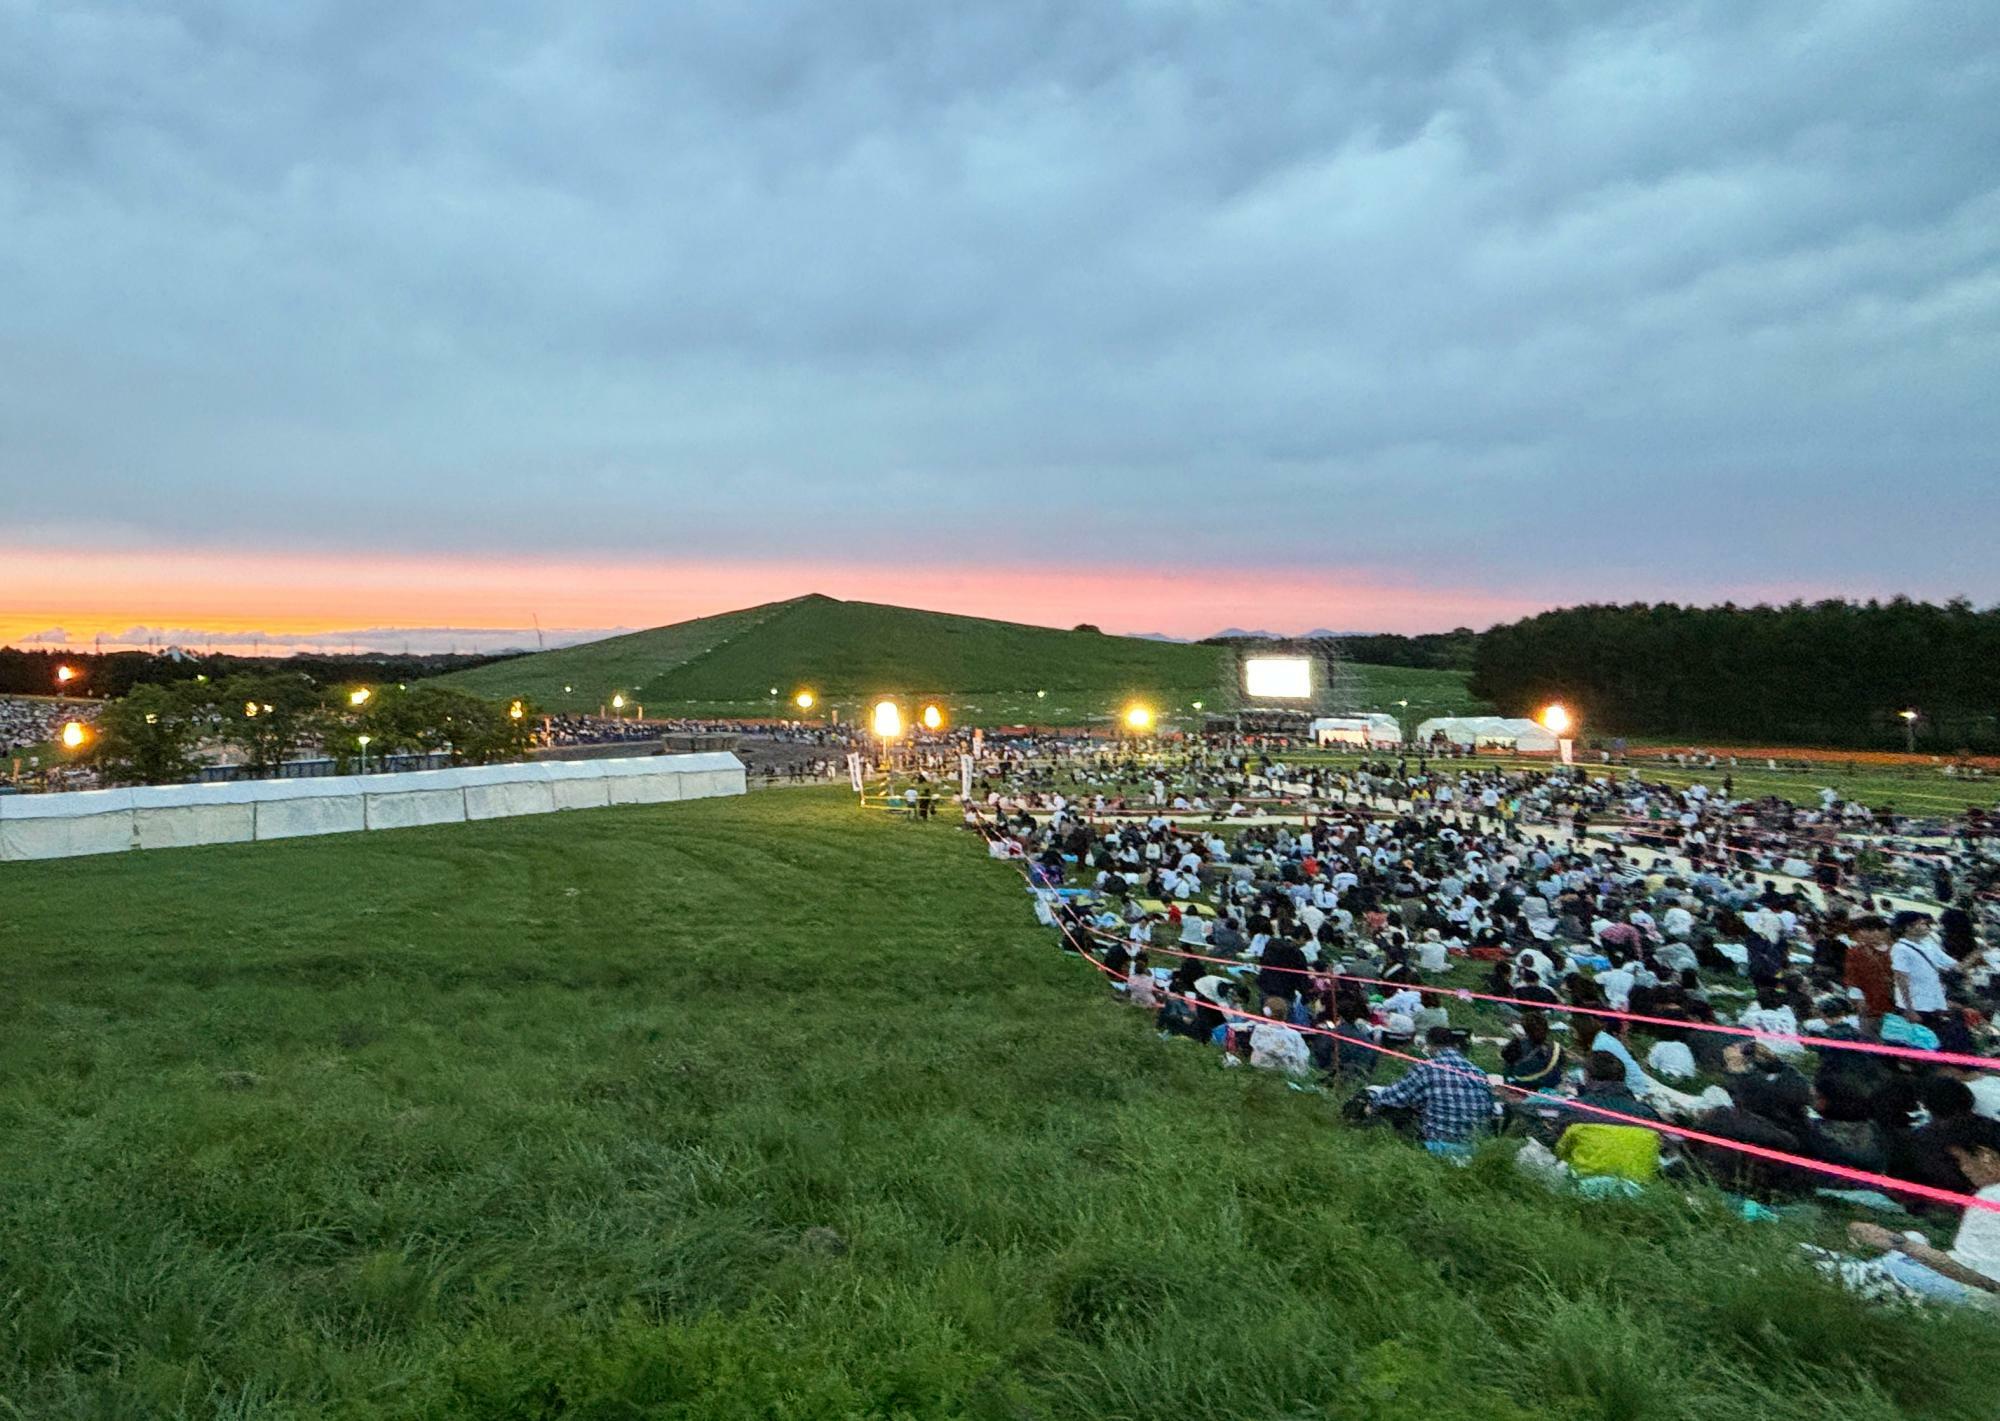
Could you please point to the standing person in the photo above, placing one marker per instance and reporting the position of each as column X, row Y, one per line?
column 1918, row 965
column 1868, row 973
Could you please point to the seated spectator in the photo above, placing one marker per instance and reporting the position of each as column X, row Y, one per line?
column 1452, row 1102
column 1922, row 1155
column 1846, row 1132
column 1531, row 1060
column 1277, row 1047
column 1969, row 1271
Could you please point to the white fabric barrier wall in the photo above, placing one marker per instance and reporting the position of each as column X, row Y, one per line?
column 102, row 821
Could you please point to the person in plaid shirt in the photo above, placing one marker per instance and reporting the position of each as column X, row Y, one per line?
column 1450, row 1095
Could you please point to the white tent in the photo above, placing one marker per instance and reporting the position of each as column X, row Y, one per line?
column 1487, row 732
column 1365, row 730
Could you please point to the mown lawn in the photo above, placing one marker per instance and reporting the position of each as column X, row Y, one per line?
column 763, row 1108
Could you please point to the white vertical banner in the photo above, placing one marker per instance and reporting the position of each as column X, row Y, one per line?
column 965, row 778
column 854, row 769
column 978, row 741
column 1566, row 746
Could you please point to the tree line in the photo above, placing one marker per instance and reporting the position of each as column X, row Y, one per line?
column 105, row 675
column 162, row 733
column 1831, row 673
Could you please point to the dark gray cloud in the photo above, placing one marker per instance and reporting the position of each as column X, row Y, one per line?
column 1668, row 296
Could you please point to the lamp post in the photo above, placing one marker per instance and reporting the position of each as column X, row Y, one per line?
column 1909, row 718
column 364, row 739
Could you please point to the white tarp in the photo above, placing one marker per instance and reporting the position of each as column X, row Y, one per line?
column 37, row 826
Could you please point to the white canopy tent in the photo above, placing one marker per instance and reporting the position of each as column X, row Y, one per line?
column 1488, row 732
column 1364, row 730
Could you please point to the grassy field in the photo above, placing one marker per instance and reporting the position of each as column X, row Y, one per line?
column 1380, row 688
column 767, row 1108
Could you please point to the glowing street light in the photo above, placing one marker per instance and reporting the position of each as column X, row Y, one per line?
column 618, row 701
column 1556, row 719
column 803, row 700
column 1909, row 718
column 359, row 697
column 65, row 674
column 514, row 712
column 933, row 718
column 364, row 739
column 887, row 720
column 73, row 735
column 1139, row 718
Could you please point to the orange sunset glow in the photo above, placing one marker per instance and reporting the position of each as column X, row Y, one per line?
column 89, row 595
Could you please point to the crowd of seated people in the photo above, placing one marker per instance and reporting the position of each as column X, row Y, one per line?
column 1331, row 945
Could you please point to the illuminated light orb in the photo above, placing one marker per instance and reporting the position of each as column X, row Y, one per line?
column 803, row 700
column 887, row 719
column 1138, row 717
column 73, row 735
column 1555, row 718
column 933, row 718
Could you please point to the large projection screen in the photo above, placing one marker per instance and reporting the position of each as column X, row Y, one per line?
column 1278, row 678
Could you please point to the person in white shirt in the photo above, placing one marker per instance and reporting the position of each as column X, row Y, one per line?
column 1279, row 1048
column 1918, row 965
column 1969, row 1271
column 1772, row 1015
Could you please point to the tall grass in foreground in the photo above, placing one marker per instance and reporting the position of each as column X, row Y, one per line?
column 762, row 1109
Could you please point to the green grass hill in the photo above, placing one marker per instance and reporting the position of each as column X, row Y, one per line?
column 583, row 677
column 987, row 671
column 768, row 1109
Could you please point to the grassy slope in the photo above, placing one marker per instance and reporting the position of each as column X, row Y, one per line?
column 861, row 648
column 597, row 669
column 537, row 1117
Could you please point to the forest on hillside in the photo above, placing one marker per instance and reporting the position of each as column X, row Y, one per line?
column 1822, row 673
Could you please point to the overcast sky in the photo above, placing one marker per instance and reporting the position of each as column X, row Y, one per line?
column 1294, row 314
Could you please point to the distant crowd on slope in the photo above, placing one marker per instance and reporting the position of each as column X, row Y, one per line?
column 1321, row 923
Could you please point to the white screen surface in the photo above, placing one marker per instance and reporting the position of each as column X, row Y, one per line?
column 1278, row 678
